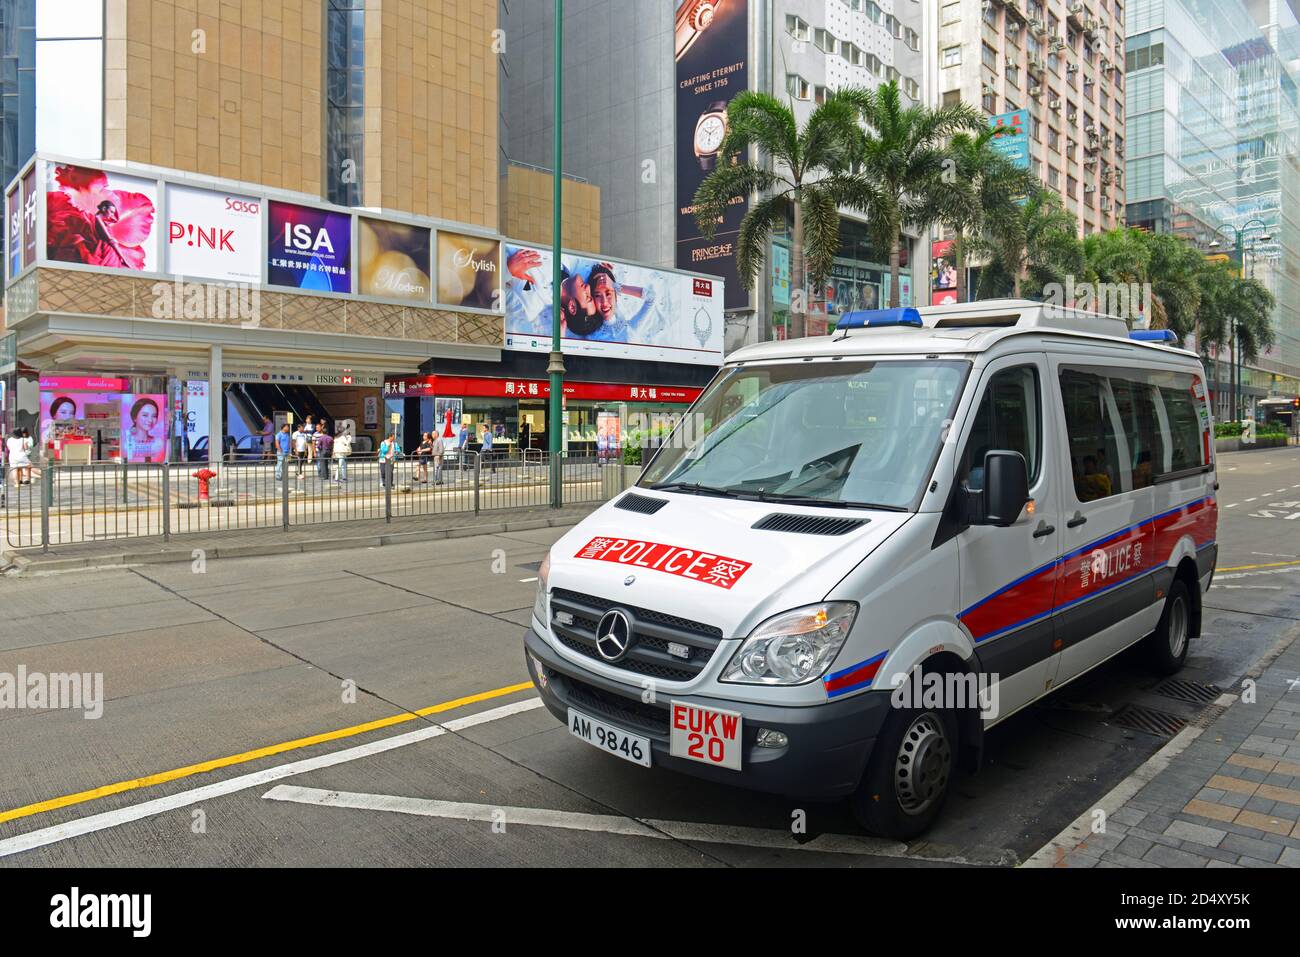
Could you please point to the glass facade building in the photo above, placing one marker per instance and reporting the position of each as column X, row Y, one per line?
column 1212, row 139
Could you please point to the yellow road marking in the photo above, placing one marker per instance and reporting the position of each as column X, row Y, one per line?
column 176, row 774
column 1242, row 568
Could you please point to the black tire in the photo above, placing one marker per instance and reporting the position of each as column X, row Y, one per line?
column 890, row 802
column 1167, row 645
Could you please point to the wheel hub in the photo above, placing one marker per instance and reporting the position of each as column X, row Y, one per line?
column 922, row 765
column 1177, row 627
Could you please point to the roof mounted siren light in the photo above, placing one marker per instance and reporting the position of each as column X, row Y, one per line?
column 880, row 318
column 1154, row 335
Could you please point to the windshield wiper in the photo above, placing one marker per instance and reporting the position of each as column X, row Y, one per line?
column 824, row 502
column 694, row 488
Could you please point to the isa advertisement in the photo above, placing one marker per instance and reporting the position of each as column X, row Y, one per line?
column 144, row 427
column 469, row 271
column 308, row 248
column 712, row 56
column 394, row 260
column 213, row 235
column 99, row 219
column 612, row 309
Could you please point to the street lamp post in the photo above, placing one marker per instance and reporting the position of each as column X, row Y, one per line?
column 1239, row 233
column 555, row 368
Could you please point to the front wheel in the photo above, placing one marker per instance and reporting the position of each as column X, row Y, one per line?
column 909, row 773
column 1167, row 645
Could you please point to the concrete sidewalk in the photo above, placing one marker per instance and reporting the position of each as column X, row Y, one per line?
column 1222, row 794
column 325, row 536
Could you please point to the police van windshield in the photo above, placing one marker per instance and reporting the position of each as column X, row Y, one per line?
column 830, row 433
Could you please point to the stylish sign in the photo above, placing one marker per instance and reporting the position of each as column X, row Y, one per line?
column 613, row 309
column 469, row 271
column 100, row 219
column 712, row 57
column 308, row 249
column 479, row 387
column 213, row 235
column 393, row 260
column 705, row 567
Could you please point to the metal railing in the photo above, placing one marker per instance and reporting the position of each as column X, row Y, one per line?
column 101, row 501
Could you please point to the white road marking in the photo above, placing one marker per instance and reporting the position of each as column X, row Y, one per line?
column 653, row 828
column 1254, row 587
column 526, row 580
column 1252, row 499
column 1233, row 505
column 1263, row 571
column 137, row 812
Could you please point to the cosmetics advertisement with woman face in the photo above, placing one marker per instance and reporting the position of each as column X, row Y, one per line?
column 131, row 425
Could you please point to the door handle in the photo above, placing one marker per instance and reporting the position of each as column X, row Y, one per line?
column 1078, row 520
column 1044, row 529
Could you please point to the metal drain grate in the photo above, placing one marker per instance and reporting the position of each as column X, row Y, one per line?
column 1193, row 691
column 1149, row 720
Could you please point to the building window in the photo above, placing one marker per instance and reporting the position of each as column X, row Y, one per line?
column 950, row 13
column 911, row 38
column 912, row 88
column 989, row 56
column 345, row 81
column 797, row 86
column 952, row 56
column 989, row 102
column 1053, row 177
column 824, row 41
column 796, row 27
column 1011, row 74
column 952, row 98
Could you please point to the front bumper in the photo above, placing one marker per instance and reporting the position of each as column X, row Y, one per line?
column 824, row 759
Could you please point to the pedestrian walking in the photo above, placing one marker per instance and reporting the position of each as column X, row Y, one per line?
column 423, row 452
column 342, row 450
column 324, row 444
column 19, row 460
column 486, row 450
column 283, row 449
column 268, row 435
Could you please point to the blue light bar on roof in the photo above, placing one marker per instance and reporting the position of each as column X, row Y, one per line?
column 1153, row 335
column 878, row 318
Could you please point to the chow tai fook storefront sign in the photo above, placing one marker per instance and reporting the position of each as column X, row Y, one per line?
column 480, row 387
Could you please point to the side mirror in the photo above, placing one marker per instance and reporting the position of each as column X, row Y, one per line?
column 1004, row 492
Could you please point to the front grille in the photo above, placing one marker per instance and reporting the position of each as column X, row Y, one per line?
column 632, row 713
column 808, row 524
column 652, row 631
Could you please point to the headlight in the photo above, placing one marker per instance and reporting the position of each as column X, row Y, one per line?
column 539, row 604
column 793, row 647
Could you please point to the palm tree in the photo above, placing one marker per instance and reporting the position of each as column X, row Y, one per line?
column 1028, row 245
column 988, row 183
column 800, row 186
column 899, row 165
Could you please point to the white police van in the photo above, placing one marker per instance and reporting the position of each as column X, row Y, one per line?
column 993, row 496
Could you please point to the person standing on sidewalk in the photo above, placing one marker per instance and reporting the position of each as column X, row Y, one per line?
column 423, row 451
column 309, row 429
column 324, row 449
column 19, row 461
column 283, row 448
column 342, row 449
column 486, row 450
column 436, row 454
column 301, row 443
column 389, row 450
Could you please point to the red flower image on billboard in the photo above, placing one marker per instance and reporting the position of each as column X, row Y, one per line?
column 90, row 222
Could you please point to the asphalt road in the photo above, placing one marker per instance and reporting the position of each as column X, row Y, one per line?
column 370, row 708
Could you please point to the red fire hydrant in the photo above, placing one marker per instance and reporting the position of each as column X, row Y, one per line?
column 205, row 476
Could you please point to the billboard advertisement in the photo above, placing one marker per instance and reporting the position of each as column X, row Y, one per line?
column 393, row 260
column 101, row 219
column 1012, row 140
column 308, row 249
column 712, row 66
column 144, row 427
column 469, row 271
column 213, row 235
column 612, row 309
column 29, row 217
column 14, row 233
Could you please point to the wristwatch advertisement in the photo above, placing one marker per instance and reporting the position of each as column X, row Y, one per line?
column 692, row 19
column 710, row 130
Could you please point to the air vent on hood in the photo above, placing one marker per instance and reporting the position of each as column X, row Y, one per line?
column 641, row 503
column 809, row 524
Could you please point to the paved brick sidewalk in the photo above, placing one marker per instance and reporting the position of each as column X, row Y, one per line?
column 1223, row 795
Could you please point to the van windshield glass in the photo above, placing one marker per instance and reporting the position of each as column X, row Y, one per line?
column 838, row 433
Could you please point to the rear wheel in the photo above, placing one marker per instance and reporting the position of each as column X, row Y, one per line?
column 909, row 773
column 1167, row 645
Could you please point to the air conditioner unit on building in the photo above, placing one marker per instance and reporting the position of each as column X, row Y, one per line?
column 988, row 89
column 1091, row 129
column 1036, row 92
column 1057, row 41
column 1091, row 148
column 1072, row 117
column 1119, row 151
column 1013, row 27
column 1105, row 206
column 1054, row 104
column 1105, row 142
column 1037, row 27
column 1089, row 188
column 1036, row 65
column 1076, row 7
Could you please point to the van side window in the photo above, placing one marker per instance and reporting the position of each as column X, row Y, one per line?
column 1094, row 453
column 1184, row 423
column 1136, row 407
column 1009, row 417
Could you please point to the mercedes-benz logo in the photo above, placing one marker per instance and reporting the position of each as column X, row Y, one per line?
column 613, row 635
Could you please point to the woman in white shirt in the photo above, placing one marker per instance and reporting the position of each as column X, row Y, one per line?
column 19, row 459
